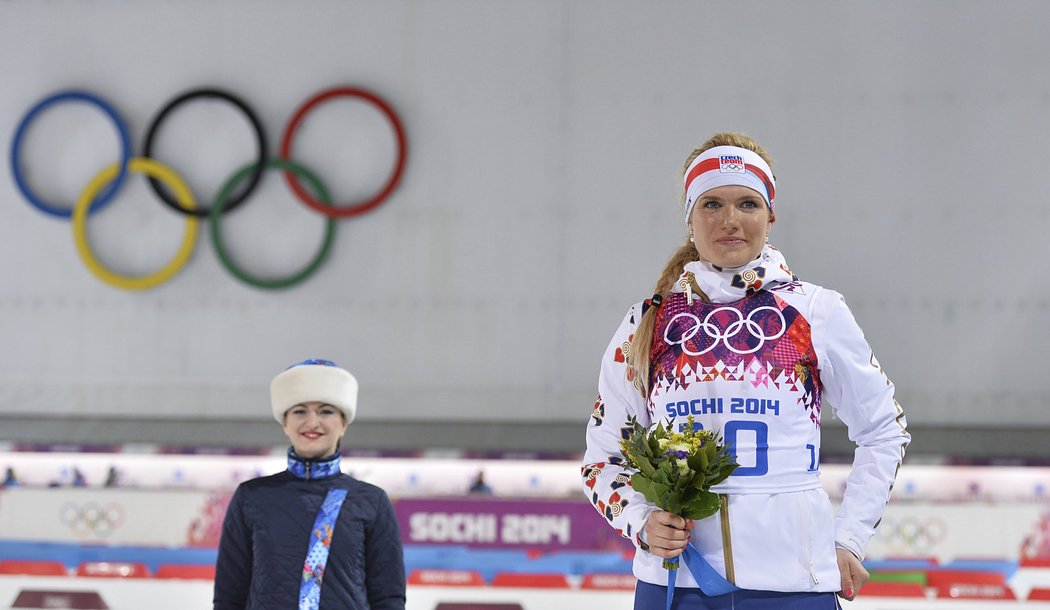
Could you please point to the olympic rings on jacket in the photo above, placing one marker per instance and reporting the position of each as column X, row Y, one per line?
column 717, row 335
column 174, row 192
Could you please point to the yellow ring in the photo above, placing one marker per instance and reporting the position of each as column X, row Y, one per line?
column 139, row 165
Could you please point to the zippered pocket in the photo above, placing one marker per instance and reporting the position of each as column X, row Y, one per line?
column 805, row 558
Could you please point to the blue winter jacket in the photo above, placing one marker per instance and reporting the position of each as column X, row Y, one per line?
column 267, row 532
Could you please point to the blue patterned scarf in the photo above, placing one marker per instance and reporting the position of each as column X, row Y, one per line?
column 323, row 529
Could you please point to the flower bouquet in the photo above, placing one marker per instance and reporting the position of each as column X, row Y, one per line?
column 675, row 471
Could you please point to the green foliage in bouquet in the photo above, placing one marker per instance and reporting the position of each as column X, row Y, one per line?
column 677, row 469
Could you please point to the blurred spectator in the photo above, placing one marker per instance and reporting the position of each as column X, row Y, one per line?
column 112, row 478
column 78, row 478
column 10, row 480
column 479, row 486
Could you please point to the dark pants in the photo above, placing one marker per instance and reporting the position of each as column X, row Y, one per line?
column 654, row 597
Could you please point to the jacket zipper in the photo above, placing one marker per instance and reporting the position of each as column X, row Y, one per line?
column 804, row 527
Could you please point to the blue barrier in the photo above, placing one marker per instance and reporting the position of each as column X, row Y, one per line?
column 578, row 563
column 1007, row 568
column 487, row 562
column 73, row 555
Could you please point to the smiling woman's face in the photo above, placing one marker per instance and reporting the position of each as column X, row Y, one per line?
column 314, row 429
column 729, row 225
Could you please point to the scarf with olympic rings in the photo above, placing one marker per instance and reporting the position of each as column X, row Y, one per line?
column 725, row 284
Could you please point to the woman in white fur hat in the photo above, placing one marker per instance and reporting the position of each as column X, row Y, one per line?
column 311, row 537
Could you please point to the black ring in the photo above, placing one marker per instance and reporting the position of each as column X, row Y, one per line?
column 250, row 183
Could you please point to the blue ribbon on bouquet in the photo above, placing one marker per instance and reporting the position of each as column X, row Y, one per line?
column 711, row 582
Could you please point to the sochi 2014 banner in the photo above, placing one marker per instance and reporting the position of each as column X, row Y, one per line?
column 193, row 518
column 545, row 525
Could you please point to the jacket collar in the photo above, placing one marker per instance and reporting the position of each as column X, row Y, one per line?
column 725, row 285
column 309, row 469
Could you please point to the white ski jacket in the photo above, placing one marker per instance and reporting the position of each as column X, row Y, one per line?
column 757, row 371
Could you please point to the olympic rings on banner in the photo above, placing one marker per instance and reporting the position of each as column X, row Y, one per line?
column 91, row 518
column 175, row 194
column 391, row 183
column 189, row 237
column 20, row 134
column 912, row 533
column 260, row 136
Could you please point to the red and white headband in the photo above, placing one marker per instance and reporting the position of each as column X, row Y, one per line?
column 728, row 165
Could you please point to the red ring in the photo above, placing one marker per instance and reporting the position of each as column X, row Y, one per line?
column 353, row 209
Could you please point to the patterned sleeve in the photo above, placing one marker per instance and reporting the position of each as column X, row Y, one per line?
column 605, row 480
column 862, row 396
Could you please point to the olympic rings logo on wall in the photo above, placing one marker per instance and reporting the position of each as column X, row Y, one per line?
column 104, row 187
column 91, row 518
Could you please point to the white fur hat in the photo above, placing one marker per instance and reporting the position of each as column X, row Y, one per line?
column 314, row 380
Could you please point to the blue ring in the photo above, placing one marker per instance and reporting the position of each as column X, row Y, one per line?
column 70, row 96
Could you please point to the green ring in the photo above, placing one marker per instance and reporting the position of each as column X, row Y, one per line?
column 215, row 219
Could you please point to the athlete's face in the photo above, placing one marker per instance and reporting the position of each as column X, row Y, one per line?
column 314, row 429
column 729, row 225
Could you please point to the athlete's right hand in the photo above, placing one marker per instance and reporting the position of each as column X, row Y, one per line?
column 667, row 533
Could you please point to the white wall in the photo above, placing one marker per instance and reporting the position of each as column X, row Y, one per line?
column 540, row 197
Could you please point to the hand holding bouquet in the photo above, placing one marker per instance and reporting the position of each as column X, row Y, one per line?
column 676, row 471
